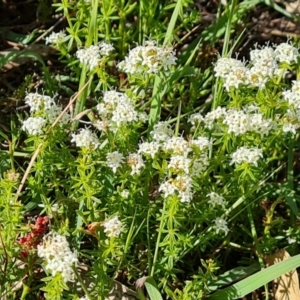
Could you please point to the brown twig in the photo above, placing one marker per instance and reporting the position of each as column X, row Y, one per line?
column 186, row 36
column 49, row 30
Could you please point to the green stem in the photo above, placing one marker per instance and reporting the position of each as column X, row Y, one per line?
column 161, row 226
column 82, row 283
column 290, row 178
column 80, row 103
column 256, row 243
column 105, row 7
column 122, row 35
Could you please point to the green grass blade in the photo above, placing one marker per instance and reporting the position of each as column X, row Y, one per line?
column 177, row 12
column 7, row 58
column 233, row 275
column 155, row 103
column 257, row 280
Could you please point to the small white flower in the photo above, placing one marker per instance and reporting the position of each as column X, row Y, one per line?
column 34, row 125
column 248, row 155
column 237, row 121
column 285, row 52
column 135, row 161
column 38, row 102
column 258, row 124
column 214, row 115
column 85, row 138
column 124, row 113
column 291, row 240
column 185, row 197
column 199, row 165
column 196, row 119
column 183, row 183
column 202, row 142
column 149, row 148
column 148, row 59
column 114, row 160
column 167, row 188
column 289, row 127
column 125, row 194
column 179, row 164
column 255, row 77
column 118, row 108
column 161, row 132
column 90, row 56
column 225, row 66
column 55, row 38
column 216, row 199
column 265, row 55
column 53, row 112
column 176, row 145
column 221, row 225
column 113, row 227
column 143, row 117
column 293, row 95
column 58, row 256
column 106, row 48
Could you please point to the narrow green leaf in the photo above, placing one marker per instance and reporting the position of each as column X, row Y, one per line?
column 177, row 12
column 257, row 280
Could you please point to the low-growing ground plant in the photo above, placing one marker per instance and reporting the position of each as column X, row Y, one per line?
column 136, row 179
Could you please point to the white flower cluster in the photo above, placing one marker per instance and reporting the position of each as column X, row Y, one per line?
column 221, row 225
column 134, row 160
column 286, row 53
column 55, row 38
column 114, row 160
column 34, row 125
column 184, row 163
column 237, row 121
column 125, row 194
column 59, row 258
column 292, row 96
column 263, row 65
column 117, row 109
column 179, row 164
column 91, row 56
column 149, row 148
column 85, row 138
column 38, row 102
column 43, row 110
column 182, row 184
column 113, row 227
column 291, row 119
column 148, row 58
column 161, row 131
column 216, row 199
column 246, row 155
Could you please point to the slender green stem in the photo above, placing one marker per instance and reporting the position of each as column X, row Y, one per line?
column 122, row 34
column 256, row 243
column 82, row 283
column 228, row 28
column 148, row 240
column 80, row 103
column 161, row 226
column 106, row 9
column 290, row 178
